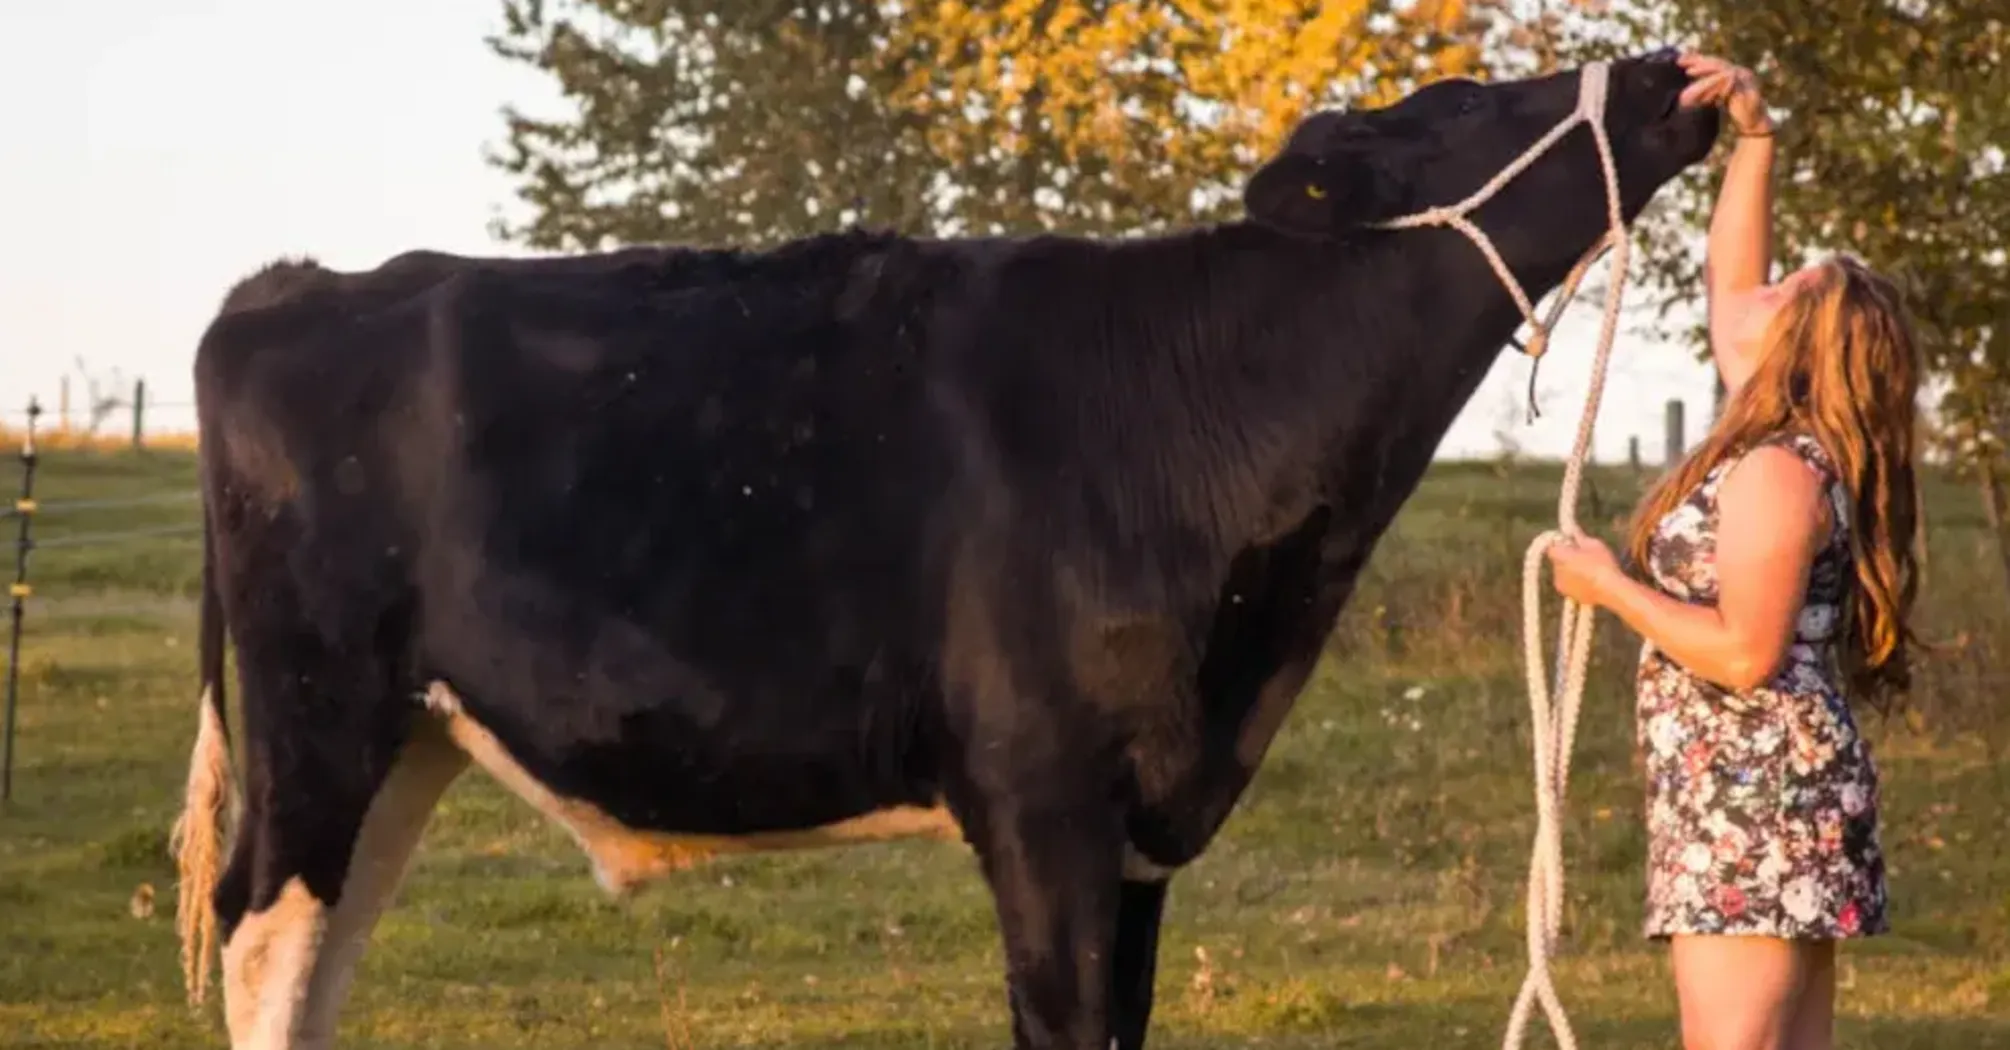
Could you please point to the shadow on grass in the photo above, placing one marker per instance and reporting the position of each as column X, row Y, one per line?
column 1448, row 1026
column 1451, row 1027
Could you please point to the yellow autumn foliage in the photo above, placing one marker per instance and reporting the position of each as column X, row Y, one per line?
column 1168, row 92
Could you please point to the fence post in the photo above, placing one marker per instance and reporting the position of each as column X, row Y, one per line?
column 1673, row 437
column 139, row 414
column 24, row 510
column 1633, row 453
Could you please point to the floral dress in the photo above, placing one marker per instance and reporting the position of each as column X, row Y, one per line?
column 1761, row 804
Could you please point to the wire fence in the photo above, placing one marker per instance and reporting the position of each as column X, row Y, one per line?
column 121, row 418
column 28, row 509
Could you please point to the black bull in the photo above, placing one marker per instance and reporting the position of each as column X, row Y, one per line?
column 1028, row 542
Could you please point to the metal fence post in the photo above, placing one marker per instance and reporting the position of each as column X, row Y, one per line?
column 139, row 414
column 24, row 512
column 1673, row 439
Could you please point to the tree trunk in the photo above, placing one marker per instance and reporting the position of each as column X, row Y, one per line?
column 1994, row 512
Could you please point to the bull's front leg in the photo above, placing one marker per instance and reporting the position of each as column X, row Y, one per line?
column 1134, row 959
column 1052, row 853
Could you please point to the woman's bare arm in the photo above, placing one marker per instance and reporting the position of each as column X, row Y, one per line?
column 1740, row 251
column 1740, row 255
column 1772, row 520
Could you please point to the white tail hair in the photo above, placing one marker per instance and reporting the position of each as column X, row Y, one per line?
column 197, row 841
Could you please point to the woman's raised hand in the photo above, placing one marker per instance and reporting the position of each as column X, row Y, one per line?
column 1716, row 82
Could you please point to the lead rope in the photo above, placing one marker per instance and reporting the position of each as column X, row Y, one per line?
column 1554, row 715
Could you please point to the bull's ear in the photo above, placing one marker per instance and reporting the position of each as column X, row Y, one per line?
column 1305, row 196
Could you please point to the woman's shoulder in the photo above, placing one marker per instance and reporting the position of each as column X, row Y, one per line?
column 1813, row 458
column 1776, row 467
column 1804, row 446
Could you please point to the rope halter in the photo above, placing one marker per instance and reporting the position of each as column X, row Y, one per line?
column 1591, row 96
column 1554, row 721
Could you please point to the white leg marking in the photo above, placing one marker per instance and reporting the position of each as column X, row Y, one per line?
column 267, row 965
column 1137, row 868
column 624, row 858
column 288, row 969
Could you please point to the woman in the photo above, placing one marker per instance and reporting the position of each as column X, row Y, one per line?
column 1782, row 572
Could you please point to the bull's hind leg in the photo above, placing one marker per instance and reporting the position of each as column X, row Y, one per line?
column 339, row 785
column 308, row 882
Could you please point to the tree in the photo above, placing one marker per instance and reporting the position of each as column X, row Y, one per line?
column 1108, row 116
column 707, row 120
column 1892, row 146
column 751, row 121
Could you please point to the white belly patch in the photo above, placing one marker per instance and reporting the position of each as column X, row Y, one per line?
column 624, row 858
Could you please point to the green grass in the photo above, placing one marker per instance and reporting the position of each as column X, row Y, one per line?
column 1367, row 893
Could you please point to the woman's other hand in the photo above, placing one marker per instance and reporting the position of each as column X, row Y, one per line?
column 1585, row 569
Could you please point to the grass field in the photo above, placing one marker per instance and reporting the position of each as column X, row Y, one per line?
column 1367, row 894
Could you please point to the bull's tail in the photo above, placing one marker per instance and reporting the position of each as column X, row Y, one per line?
column 197, row 839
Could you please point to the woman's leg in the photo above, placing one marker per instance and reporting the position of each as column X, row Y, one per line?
column 1739, row 992
column 1815, row 1017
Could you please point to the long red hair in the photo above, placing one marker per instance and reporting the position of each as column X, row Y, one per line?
column 1838, row 361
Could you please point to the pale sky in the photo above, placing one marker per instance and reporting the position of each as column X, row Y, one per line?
column 158, row 150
